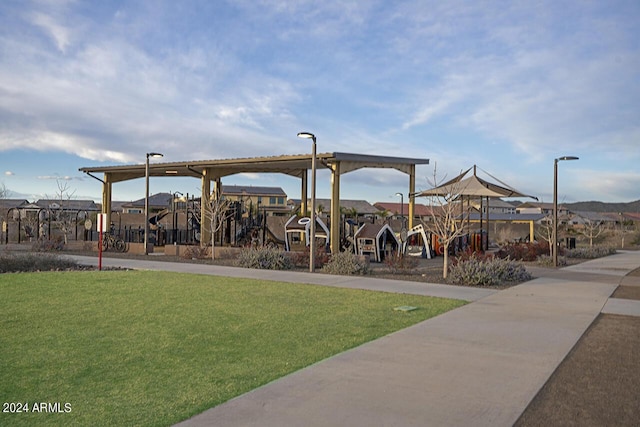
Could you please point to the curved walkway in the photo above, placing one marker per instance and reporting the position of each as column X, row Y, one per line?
column 480, row 364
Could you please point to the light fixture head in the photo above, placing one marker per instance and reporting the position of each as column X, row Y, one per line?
column 568, row 158
column 155, row 155
column 307, row 135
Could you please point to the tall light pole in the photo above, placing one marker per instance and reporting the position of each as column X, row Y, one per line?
column 312, row 232
column 554, row 248
column 146, row 201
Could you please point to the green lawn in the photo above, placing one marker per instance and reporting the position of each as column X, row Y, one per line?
column 154, row 348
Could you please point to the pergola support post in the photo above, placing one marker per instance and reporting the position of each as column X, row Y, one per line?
column 106, row 196
column 412, row 195
column 335, row 208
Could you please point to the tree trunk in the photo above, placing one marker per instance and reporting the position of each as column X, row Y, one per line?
column 445, row 264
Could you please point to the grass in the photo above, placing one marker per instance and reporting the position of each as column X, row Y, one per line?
column 154, row 348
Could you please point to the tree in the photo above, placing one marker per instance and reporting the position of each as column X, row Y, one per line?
column 217, row 210
column 545, row 232
column 448, row 215
column 592, row 229
column 63, row 218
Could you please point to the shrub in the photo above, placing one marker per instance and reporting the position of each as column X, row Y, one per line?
column 590, row 252
column 495, row 271
column 397, row 264
column 523, row 251
column 264, row 258
column 12, row 263
column 42, row 245
column 196, row 252
column 547, row 261
column 346, row 263
column 468, row 254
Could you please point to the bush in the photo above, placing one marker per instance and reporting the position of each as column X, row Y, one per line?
column 12, row 263
column 523, row 251
column 264, row 258
column 547, row 261
column 42, row 245
column 590, row 252
column 346, row 263
column 196, row 252
column 495, row 271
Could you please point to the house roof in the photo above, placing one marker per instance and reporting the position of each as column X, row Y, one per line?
column 239, row 190
column 156, row 200
column 506, row 217
column 540, row 205
column 397, row 208
column 361, row 206
column 70, row 204
column 595, row 216
column 12, row 203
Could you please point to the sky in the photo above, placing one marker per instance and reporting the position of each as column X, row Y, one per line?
column 508, row 86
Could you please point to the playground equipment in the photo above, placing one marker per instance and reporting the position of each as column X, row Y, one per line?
column 298, row 227
column 376, row 240
column 417, row 243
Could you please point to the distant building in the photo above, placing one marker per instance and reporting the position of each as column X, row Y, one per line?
column 68, row 205
column 421, row 212
column 540, row 208
column 496, row 206
column 157, row 202
column 258, row 199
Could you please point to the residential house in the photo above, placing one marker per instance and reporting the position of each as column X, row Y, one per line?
column 258, row 199
column 157, row 203
column 422, row 213
column 541, row 208
column 496, row 206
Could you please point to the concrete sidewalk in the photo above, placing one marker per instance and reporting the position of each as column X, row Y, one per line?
column 478, row 365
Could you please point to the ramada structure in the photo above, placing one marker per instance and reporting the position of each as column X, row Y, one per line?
column 211, row 172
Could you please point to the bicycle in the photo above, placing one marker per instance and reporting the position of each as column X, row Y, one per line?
column 110, row 241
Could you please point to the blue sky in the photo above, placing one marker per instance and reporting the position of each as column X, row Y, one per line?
column 506, row 85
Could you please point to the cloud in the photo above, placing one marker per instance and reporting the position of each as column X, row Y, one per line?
column 60, row 178
column 9, row 173
column 59, row 33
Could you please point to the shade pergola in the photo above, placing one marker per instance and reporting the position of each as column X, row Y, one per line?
column 474, row 187
column 294, row 165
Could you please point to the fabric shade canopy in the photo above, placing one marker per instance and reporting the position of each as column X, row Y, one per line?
column 472, row 186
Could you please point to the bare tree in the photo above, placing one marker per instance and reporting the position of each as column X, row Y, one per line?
column 448, row 215
column 544, row 231
column 626, row 227
column 592, row 229
column 63, row 218
column 217, row 211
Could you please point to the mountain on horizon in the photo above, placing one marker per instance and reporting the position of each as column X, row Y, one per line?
column 594, row 206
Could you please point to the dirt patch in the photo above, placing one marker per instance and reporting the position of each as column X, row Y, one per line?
column 635, row 273
column 598, row 383
column 627, row 292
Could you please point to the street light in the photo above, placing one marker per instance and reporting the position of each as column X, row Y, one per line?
column 312, row 231
column 554, row 248
column 146, row 201
column 175, row 216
